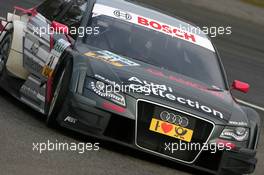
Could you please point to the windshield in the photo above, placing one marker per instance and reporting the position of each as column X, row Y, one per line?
column 156, row 48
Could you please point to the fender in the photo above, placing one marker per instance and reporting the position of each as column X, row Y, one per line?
column 255, row 124
column 15, row 60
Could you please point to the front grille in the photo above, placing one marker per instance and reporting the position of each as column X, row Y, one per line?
column 158, row 143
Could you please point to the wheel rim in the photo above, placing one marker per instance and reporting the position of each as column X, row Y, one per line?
column 56, row 93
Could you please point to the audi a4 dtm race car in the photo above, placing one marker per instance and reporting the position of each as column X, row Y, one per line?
column 132, row 76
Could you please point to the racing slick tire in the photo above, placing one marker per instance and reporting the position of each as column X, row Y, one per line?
column 60, row 89
column 5, row 47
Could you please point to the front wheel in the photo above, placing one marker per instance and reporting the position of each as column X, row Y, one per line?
column 60, row 90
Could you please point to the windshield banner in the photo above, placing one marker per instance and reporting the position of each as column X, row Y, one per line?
column 100, row 9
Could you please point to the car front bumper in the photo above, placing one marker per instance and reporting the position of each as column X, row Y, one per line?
column 242, row 161
column 90, row 120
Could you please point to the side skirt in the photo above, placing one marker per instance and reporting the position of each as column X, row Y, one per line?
column 30, row 91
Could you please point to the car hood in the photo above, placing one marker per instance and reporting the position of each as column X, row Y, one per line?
column 164, row 87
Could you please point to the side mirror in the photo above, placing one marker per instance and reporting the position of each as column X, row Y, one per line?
column 60, row 28
column 241, row 86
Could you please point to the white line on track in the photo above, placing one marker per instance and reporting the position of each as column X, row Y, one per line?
column 251, row 105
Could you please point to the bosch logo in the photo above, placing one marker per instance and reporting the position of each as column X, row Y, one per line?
column 174, row 119
column 122, row 15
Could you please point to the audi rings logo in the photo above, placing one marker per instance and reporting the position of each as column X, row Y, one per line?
column 174, row 119
column 122, row 15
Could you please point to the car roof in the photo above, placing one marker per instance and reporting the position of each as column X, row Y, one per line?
column 149, row 12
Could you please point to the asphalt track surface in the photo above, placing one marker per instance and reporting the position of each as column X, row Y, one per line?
column 243, row 57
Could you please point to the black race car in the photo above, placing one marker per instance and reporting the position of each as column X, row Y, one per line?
column 129, row 74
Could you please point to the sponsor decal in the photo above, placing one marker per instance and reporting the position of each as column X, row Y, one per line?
column 137, row 85
column 175, row 32
column 35, row 48
column 32, row 64
column 47, row 71
column 183, row 81
column 30, row 91
column 70, row 119
column 171, row 130
column 152, row 24
column 238, row 123
column 60, row 46
column 105, row 79
column 111, row 58
column 122, row 15
column 163, row 91
column 53, row 57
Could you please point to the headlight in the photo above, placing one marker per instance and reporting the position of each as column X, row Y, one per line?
column 235, row 133
column 108, row 92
